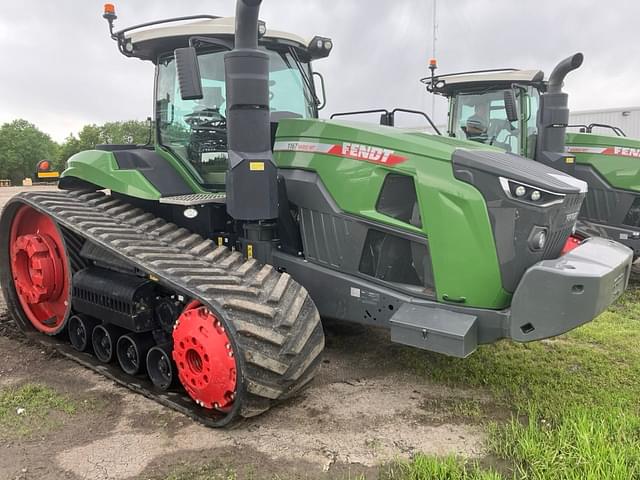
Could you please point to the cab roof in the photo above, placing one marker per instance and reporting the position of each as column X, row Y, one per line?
column 148, row 41
column 449, row 84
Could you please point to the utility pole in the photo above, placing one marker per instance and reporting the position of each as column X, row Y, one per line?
column 433, row 50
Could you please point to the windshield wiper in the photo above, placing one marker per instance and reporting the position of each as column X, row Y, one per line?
column 305, row 78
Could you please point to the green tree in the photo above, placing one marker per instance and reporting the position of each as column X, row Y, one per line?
column 22, row 146
column 132, row 131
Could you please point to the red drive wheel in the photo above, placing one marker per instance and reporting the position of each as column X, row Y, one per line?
column 204, row 357
column 40, row 270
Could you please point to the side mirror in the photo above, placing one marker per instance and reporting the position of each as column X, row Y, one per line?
column 510, row 105
column 188, row 73
column 323, row 103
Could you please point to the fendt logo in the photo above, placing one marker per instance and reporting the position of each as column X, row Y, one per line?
column 614, row 151
column 369, row 153
column 626, row 151
column 354, row 151
column 572, row 217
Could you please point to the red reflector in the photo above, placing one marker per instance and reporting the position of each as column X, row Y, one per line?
column 572, row 242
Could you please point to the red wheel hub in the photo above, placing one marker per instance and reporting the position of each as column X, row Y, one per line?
column 205, row 358
column 40, row 270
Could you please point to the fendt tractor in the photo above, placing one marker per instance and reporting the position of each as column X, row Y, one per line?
column 196, row 270
column 521, row 112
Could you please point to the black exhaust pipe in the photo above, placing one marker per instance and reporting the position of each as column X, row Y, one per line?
column 556, row 79
column 252, row 176
column 553, row 117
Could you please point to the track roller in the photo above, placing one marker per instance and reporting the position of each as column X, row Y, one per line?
column 80, row 328
column 104, row 340
column 160, row 367
column 131, row 351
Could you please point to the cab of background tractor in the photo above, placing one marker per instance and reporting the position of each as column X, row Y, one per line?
column 522, row 113
column 494, row 107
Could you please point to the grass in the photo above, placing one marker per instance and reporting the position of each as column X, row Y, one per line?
column 31, row 408
column 210, row 471
column 575, row 402
column 423, row 467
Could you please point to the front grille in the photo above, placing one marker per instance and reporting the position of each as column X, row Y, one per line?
column 559, row 233
column 556, row 241
column 633, row 215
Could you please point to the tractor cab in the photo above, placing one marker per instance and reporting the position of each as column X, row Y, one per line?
column 494, row 107
column 194, row 130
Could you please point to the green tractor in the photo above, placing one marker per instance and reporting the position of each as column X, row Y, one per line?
column 521, row 112
column 201, row 277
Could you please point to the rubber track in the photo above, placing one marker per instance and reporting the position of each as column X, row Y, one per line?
column 271, row 319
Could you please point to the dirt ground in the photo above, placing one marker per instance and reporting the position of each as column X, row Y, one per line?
column 361, row 411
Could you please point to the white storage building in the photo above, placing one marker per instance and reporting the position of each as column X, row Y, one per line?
column 627, row 118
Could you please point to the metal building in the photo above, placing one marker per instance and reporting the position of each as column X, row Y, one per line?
column 626, row 118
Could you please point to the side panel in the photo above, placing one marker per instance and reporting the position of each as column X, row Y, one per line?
column 454, row 214
column 135, row 172
column 100, row 168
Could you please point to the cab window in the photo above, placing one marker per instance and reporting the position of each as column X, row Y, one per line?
column 481, row 117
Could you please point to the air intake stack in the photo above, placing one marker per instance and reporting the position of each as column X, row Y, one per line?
column 252, row 192
column 553, row 116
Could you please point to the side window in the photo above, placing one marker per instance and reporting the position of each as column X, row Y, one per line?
column 398, row 260
column 532, row 101
column 398, row 199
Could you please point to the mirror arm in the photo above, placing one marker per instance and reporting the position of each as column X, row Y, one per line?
column 322, row 89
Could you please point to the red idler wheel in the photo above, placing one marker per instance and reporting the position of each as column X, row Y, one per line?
column 40, row 270
column 204, row 357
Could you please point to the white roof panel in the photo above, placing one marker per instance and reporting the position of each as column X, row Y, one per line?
column 505, row 76
column 219, row 26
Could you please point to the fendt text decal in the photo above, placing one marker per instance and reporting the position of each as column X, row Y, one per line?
column 614, row 151
column 355, row 151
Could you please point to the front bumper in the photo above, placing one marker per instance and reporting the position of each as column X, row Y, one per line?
column 555, row 296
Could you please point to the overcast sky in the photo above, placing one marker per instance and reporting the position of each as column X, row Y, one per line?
column 60, row 70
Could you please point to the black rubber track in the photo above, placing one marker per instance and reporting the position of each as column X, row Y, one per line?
column 270, row 319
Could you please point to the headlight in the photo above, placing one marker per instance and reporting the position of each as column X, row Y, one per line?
column 529, row 194
column 538, row 238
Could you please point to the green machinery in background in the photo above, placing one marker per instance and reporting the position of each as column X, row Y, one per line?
column 521, row 112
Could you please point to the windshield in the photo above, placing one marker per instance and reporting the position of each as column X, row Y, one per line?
column 195, row 130
column 482, row 117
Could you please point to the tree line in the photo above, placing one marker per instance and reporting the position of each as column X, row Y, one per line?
column 23, row 145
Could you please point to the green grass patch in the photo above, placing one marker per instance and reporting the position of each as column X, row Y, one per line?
column 423, row 467
column 31, row 408
column 210, row 471
column 575, row 400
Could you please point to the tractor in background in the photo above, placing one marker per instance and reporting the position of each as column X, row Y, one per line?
column 201, row 276
column 523, row 113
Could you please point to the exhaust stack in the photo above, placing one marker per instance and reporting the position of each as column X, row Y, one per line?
column 252, row 176
column 553, row 116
